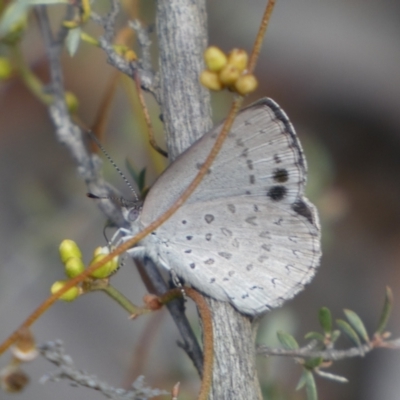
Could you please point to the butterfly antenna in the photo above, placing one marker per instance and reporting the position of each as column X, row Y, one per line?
column 112, row 162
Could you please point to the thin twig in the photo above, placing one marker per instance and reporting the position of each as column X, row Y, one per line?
column 155, row 283
column 260, row 35
column 68, row 133
column 55, row 353
column 143, row 68
column 146, row 115
column 208, row 342
column 149, row 80
column 330, row 354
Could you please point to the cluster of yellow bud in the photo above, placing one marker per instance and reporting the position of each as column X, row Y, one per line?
column 125, row 52
column 71, row 257
column 227, row 71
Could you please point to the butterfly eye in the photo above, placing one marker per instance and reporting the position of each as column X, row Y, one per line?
column 133, row 214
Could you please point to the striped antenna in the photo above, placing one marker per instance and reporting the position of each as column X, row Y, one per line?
column 94, row 138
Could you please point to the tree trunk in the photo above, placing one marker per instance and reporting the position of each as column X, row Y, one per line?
column 182, row 39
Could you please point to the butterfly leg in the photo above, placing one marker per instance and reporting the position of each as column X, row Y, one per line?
column 177, row 282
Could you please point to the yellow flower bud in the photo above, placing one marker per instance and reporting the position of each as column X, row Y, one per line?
column 214, row 58
column 68, row 248
column 71, row 24
column 74, row 266
column 130, row 56
column 210, row 80
column 120, row 49
column 86, row 10
column 69, row 295
column 239, row 59
column 72, row 102
column 246, row 84
column 5, row 68
column 99, row 250
column 229, row 75
column 108, row 268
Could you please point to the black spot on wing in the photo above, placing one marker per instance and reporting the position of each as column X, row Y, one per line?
column 277, row 193
column 301, row 208
column 281, row 175
column 209, row 218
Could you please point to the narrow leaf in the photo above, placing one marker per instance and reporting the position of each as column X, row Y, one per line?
column 335, row 335
column 386, row 311
column 325, row 319
column 73, row 39
column 15, row 13
column 132, row 171
column 302, row 380
column 311, row 388
column 357, row 324
column 142, row 180
column 348, row 331
column 287, row 341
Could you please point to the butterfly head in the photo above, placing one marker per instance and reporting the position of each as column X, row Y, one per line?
column 131, row 210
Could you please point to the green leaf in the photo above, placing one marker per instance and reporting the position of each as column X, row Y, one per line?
column 386, row 311
column 315, row 336
column 138, row 177
column 311, row 388
column 14, row 14
column 302, row 380
column 132, row 171
column 325, row 319
column 287, row 341
column 142, row 180
column 335, row 335
column 312, row 363
column 73, row 39
column 357, row 324
column 348, row 331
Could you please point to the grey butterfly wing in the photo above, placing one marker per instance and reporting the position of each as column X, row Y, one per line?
column 264, row 244
column 249, row 253
column 260, row 152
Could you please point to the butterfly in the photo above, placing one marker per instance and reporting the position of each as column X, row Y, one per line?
column 247, row 235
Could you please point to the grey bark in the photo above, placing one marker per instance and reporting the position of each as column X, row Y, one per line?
column 182, row 38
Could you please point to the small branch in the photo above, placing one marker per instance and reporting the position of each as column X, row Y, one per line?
column 143, row 68
column 208, row 340
column 55, row 353
column 144, row 41
column 177, row 310
column 149, row 81
column 330, row 354
column 122, row 300
column 147, row 119
column 108, row 22
column 68, row 133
